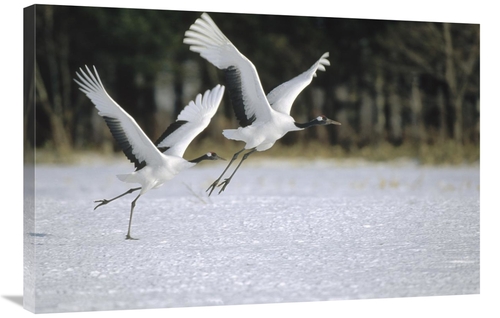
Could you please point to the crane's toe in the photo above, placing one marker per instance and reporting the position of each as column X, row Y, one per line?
column 101, row 202
column 212, row 187
column 224, row 184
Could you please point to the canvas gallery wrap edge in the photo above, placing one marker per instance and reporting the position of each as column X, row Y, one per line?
column 384, row 205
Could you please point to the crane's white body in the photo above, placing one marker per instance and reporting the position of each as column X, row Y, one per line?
column 263, row 119
column 154, row 176
column 263, row 135
column 158, row 162
column 271, row 112
column 159, row 167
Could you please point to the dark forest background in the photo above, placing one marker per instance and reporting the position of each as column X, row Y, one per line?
column 398, row 88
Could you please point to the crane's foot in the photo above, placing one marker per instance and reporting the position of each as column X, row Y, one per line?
column 128, row 237
column 101, row 202
column 212, row 186
column 224, row 184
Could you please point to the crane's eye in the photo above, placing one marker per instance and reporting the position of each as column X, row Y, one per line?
column 321, row 118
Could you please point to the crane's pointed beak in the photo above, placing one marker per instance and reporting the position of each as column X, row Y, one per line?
column 332, row 122
column 219, row 158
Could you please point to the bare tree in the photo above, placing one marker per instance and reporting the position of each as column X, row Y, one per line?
column 464, row 59
column 417, row 120
column 53, row 85
column 429, row 48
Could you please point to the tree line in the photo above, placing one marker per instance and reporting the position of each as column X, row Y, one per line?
column 395, row 82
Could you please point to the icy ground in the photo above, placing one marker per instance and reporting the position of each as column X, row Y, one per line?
column 281, row 232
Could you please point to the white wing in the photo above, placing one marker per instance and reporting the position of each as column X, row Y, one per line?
column 192, row 120
column 133, row 141
column 281, row 98
column 245, row 89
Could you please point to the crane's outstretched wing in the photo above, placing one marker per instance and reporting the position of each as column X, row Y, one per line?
column 192, row 120
column 138, row 148
column 242, row 80
column 282, row 97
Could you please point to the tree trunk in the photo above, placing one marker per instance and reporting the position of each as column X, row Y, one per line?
column 53, row 103
column 452, row 84
column 366, row 118
column 379, row 107
column 443, row 127
column 418, row 128
column 396, row 123
column 60, row 138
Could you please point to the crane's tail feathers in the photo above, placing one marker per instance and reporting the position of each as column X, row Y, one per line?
column 231, row 134
column 123, row 177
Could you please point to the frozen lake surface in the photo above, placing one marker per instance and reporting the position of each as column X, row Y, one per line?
column 281, row 232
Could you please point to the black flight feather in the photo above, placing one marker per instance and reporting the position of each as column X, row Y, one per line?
column 170, row 129
column 121, row 138
column 233, row 83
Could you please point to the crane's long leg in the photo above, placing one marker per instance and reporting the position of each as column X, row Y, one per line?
column 214, row 184
column 132, row 206
column 227, row 180
column 104, row 201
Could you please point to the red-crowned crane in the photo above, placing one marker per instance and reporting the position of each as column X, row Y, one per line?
column 157, row 162
column 262, row 119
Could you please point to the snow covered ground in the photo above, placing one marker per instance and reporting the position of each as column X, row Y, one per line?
column 281, row 232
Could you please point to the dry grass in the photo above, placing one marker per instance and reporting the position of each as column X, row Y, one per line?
column 449, row 153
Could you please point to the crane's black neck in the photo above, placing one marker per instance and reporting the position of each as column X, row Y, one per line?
column 199, row 159
column 311, row 123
